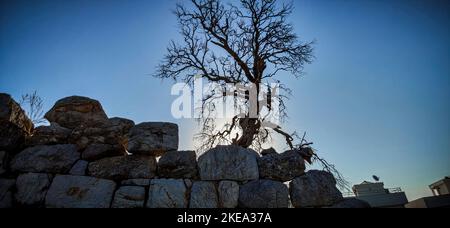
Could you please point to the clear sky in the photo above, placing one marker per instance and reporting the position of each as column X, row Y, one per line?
column 375, row 101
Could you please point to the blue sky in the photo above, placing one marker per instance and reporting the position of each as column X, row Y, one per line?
column 375, row 101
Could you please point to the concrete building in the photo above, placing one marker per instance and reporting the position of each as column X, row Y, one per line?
column 441, row 187
column 441, row 198
column 378, row 196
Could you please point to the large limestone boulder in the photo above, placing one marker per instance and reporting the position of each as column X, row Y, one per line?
column 264, row 194
column 71, row 112
column 228, row 163
column 281, row 167
column 49, row 135
column 32, row 188
column 80, row 192
column 204, row 195
column 98, row 151
column 178, row 165
column 314, row 189
column 124, row 168
column 351, row 203
column 228, row 194
column 112, row 131
column 46, row 159
column 15, row 126
column 6, row 195
column 167, row 193
column 153, row 138
column 129, row 197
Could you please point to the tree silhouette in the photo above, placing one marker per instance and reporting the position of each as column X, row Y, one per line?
column 248, row 43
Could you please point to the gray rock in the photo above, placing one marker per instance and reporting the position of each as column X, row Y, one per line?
column 2, row 162
column 167, row 193
column 264, row 194
column 153, row 138
column 124, row 168
column 136, row 182
column 204, row 195
column 32, row 188
column 112, row 132
column 314, row 189
column 228, row 194
column 46, row 159
column 79, row 169
column 121, row 125
column 228, row 163
column 178, row 165
column 80, row 192
column 15, row 126
column 6, row 195
column 281, row 167
column 268, row 152
column 129, row 197
column 71, row 112
column 98, row 151
column 49, row 135
column 351, row 203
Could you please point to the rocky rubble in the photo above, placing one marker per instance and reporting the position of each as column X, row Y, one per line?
column 86, row 160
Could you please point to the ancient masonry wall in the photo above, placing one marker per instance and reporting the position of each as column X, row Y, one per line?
column 86, row 160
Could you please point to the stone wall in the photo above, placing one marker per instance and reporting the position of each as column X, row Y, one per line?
column 86, row 160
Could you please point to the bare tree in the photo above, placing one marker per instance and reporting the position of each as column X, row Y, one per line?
column 33, row 106
column 248, row 43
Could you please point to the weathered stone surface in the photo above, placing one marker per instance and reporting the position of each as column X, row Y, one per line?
column 268, row 152
column 228, row 163
column 204, row 195
column 112, row 132
column 80, row 192
column 281, row 167
column 167, row 193
column 71, row 112
column 79, row 169
column 136, row 182
column 6, row 195
column 129, row 197
column 121, row 124
column 124, row 167
column 228, row 194
column 15, row 126
column 178, row 165
column 46, row 159
column 314, row 189
column 49, row 135
column 98, row 151
column 2, row 162
column 153, row 138
column 351, row 203
column 264, row 194
column 32, row 188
